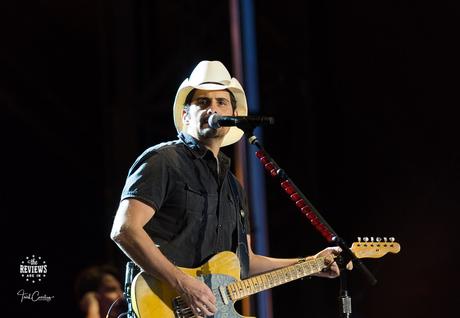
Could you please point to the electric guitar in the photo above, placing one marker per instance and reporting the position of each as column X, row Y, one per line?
column 152, row 298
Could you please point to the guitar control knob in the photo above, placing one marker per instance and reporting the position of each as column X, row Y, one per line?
column 378, row 239
column 365, row 239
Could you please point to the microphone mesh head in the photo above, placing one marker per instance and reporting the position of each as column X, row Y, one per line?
column 213, row 121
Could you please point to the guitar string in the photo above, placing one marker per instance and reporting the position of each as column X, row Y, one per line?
column 216, row 291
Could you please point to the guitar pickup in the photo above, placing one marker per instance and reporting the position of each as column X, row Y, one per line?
column 223, row 294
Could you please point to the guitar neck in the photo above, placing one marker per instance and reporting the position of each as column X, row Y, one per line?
column 243, row 288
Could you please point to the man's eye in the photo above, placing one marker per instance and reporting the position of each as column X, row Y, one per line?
column 202, row 102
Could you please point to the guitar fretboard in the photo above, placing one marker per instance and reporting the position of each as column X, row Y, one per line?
column 243, row 288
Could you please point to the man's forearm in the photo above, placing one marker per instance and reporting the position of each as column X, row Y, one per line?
column 260, row 264
column 139, row 247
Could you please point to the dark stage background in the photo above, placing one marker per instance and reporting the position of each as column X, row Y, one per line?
column 365, row 99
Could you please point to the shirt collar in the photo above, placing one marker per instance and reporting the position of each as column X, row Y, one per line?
column 199, row 151
column 195, row 147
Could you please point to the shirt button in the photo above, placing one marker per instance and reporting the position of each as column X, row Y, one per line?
column 242, row 213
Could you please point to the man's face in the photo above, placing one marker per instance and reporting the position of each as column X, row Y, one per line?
column 203, row 105
column 109, row 289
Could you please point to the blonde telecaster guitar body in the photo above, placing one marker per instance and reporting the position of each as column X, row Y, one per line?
column 152, row 298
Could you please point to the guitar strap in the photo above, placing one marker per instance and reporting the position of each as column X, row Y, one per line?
column 241, row 215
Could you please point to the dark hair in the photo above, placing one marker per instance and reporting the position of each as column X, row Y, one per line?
column 91, row 277
column 188, row 99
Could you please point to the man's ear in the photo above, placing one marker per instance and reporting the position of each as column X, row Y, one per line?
column 235, row 112
column 185, row 117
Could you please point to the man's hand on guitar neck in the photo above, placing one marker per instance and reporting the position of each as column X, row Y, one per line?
column 196, row 294
column 330, row 254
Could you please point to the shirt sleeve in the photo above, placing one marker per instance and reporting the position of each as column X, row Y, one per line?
column 147, row 180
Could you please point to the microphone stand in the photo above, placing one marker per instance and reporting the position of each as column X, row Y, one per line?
column 315, row 218
column 344, row 299
column 129, row 275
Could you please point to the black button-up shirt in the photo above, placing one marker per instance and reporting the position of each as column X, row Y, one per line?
column 196, row 210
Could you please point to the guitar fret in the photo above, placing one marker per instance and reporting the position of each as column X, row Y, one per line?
column 261, row 282
column 248, row 285
column 317, row 267
column 287, row 275
column 254, row 284
column 266, row 279
column 278, row 278
column 247, row 288
column 242, row 289
column 270, row 280
column 301, row 270
column 282, row 276
column 314, row 267
column 237, row 290
column 291, row 274
column 274, row 278
column 257, row 283
column 251, row 281
column 232, row 291
column 244, row 292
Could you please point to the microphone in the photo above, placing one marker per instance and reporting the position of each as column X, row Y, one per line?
column 216, row 121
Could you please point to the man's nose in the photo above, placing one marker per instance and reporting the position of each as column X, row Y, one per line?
column 212, row 108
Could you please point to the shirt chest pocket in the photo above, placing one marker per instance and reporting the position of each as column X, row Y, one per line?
column 199, row 203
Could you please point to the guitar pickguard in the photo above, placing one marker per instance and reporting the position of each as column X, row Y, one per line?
column 214, row 281
column 217, row 283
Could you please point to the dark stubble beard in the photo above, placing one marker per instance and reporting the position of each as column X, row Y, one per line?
column 208, row 132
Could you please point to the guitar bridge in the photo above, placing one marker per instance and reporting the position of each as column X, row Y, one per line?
column 181, row 309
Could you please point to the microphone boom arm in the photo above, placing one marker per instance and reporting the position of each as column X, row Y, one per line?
column 303, row 204
column 242, row 122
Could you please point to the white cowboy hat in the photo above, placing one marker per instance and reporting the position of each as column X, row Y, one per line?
column 211, row 76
